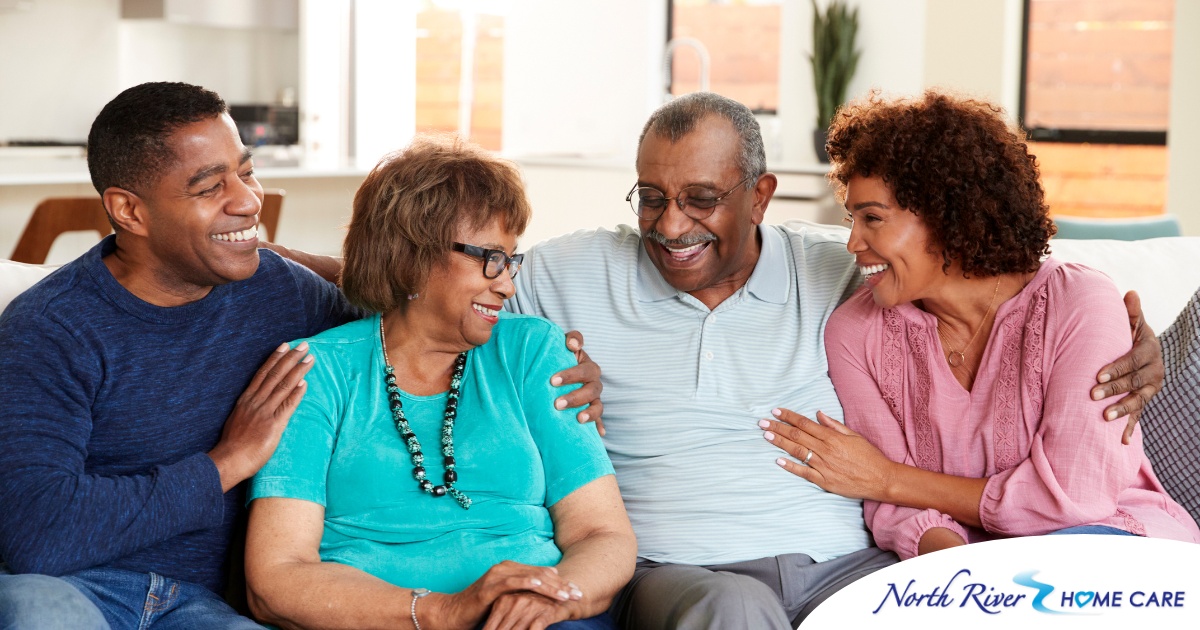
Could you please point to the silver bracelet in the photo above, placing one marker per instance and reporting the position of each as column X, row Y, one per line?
column 418, row 593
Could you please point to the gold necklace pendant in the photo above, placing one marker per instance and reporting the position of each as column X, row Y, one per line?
column 958, row 358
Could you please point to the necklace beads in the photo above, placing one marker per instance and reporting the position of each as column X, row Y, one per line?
column 450, row 476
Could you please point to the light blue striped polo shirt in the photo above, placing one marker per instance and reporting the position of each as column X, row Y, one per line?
column 684, row 389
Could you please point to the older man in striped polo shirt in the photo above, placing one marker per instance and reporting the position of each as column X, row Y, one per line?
column 704, row 320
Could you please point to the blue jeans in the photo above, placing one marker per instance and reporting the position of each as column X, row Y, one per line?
column 1092, row 529
column 112, row 599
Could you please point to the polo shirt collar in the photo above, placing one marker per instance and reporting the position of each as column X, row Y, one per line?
column 768, row 282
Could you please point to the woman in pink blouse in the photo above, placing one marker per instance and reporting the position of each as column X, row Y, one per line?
column 966, row 358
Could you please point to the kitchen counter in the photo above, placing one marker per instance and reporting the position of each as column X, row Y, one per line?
column 35, row 166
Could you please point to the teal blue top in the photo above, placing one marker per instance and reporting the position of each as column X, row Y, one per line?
column 516, row 456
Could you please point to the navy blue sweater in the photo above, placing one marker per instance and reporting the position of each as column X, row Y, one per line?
column 110, row 404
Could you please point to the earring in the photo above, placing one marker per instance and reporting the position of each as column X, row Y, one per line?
column 413, row 296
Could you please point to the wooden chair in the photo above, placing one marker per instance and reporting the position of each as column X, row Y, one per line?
column 58, row 215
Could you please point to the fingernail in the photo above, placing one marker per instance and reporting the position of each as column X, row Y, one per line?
column 770, row 436
column 556, row 380
column 764, row 423
column 302, row 384
column 308, row 358
column 583, row 417
column 536, row 582
column 1105, row 377
column 1097, row 394
column 564, row 595
column 576, row 594
column 283, row 347
column 302, row 346
column 560, row 404
column 1110, row 414
column 781, row 462
column 776, row 413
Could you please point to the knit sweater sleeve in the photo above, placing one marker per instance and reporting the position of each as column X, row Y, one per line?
column 57, row 518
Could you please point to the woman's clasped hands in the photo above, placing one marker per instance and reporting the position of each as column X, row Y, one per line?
column 509, row 595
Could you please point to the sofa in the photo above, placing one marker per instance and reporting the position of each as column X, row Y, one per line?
column 1164, row 271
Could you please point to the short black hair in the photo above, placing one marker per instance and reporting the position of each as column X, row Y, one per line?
column 127, row 145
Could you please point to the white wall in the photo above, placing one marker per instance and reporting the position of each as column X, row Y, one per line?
column 581, row 77
column 1183, row 138
column 58, row 67
column 62, row 60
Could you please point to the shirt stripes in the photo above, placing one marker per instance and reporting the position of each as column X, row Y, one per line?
column 685, row 386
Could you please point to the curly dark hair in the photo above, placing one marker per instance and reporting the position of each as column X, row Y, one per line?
column 956, row 164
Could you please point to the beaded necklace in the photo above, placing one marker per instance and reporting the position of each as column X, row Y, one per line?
column 410, row 438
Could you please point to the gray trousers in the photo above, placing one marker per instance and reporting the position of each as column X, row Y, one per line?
column 767, row 594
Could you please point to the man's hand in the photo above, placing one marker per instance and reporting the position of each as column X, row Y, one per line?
column 253, row 430
column 587, row 373
column 1138, row 374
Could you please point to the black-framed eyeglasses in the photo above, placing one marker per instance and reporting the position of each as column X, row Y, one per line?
column 696, row 202
column 494, row 260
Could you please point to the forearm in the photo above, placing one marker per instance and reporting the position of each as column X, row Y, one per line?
column 937, row 539
column 58, row 522
column 320, row 595
column 600, row 565
column 957, row 497
column 327, row 267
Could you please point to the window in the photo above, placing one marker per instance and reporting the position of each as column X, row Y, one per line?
column 1094, row 99
column 741, row 39
column 460, row 67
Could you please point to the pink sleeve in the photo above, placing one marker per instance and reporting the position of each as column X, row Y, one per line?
column 1077, row 465
column 852, row 345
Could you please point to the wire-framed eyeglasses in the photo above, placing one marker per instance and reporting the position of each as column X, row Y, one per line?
column 494, row 260
column 696, row 202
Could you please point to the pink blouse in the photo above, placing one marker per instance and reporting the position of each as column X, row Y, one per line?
column 1028, row 425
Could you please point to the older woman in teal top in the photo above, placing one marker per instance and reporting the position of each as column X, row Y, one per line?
column 426, row 480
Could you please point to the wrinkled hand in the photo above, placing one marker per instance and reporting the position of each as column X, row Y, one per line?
column 252, row 431
column 843, row 462
column 521, row 611
column 1138, row 374
column 467, row 608
column 587, row 373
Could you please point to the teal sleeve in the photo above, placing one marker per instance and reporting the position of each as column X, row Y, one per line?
column 299, row 467
column 572, row 453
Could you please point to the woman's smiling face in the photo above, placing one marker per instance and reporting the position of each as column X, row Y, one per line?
column 891, row 245
column 463, row 299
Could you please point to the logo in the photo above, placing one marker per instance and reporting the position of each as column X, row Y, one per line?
column 1061, row 582
column 964, row 591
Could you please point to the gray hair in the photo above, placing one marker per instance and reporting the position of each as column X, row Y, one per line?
column 680, row 116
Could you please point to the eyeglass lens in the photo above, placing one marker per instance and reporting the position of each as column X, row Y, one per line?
column 497, row 262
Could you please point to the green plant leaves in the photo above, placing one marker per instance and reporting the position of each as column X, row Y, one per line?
column 834, row 57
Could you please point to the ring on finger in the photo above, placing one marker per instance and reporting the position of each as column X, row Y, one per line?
column 808, row 457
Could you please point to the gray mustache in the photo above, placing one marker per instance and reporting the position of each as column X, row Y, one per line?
column 686, row 240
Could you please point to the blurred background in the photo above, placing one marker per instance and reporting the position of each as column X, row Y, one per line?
column 1107, row 89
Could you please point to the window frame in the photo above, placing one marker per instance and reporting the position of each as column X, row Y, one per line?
column 670, row 35
column 1075, row 136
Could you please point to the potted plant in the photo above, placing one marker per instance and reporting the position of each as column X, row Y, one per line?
column 834, row 60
